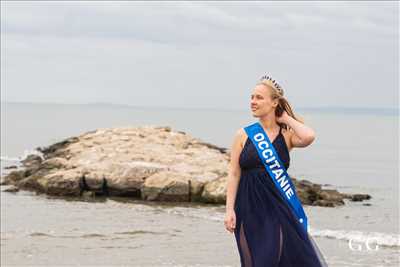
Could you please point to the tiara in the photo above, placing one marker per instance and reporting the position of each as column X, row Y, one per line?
column 275, row 83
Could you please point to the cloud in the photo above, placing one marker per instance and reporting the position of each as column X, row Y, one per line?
column 187, row 21
column 204, row 52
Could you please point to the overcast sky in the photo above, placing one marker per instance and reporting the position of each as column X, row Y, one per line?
column 200, row 54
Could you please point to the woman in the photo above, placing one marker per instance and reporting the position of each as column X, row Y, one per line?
column 266, row 230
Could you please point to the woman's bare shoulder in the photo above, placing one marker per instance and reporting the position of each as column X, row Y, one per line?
column 243, row 137
column 240, row 138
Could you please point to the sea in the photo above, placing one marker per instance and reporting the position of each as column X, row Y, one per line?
column 356, row 150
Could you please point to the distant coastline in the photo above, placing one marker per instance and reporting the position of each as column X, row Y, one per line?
column 326, row 109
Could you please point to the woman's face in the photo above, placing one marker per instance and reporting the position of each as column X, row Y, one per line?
column 261, row 101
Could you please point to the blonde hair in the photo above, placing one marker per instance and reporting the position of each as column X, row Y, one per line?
column 277, row 93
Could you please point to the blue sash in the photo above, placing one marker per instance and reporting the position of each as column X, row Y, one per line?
column 276, row 170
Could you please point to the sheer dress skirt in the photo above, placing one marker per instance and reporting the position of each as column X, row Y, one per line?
column 267, row 233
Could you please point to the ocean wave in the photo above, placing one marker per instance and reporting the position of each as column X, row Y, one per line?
column 373, row 238
column 26, row 153
column 9, row 159
column 381, row 239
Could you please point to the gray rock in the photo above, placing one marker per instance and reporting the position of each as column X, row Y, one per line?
column 215, row 191
column 360, row 197
column 11, row 167
column 151, row 163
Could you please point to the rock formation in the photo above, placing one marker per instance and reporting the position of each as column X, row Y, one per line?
column 150, row 163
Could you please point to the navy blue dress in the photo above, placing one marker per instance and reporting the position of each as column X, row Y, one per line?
column 267, row 233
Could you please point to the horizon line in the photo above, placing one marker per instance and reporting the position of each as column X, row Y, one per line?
column 99, row 103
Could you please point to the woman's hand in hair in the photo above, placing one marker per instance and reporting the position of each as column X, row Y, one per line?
column 283, row 118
